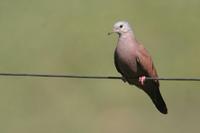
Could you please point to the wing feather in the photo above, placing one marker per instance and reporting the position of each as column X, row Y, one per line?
column 145, row 61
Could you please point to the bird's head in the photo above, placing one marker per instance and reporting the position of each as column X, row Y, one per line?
column 121, row 27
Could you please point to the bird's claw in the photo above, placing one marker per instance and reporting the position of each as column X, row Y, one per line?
column 142, row 80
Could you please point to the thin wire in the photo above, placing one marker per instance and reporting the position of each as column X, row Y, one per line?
column 90, row 77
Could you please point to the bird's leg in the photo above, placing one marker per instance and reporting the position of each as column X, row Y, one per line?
column 142, row 79
column 123, row 79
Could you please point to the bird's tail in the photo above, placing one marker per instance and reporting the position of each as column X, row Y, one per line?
column 159, row 102
column 155, row 95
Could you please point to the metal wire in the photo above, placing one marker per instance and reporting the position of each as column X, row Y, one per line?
column 91, row 77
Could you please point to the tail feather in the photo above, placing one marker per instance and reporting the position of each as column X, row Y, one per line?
column 159, row 102
column 153, row 91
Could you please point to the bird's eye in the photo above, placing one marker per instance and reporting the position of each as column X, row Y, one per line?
column 121, row 26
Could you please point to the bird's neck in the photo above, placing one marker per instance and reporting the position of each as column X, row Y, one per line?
column 127, row 37
column 126, row 46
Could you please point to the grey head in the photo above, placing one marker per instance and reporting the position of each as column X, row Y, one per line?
column 122, row 27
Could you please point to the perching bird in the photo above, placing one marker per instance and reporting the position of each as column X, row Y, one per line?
column 134, row 63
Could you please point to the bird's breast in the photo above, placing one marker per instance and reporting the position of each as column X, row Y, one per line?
column 126, row 52
column 127, row 57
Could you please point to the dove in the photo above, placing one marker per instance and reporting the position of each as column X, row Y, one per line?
column 134, row 63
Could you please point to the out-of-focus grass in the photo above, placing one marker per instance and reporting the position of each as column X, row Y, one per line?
column 61, row 37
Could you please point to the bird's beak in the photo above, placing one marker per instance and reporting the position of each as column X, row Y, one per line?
column 113, row 31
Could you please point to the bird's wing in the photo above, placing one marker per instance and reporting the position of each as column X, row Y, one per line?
column 151, row 87
column 145, row 61
column 116, row 62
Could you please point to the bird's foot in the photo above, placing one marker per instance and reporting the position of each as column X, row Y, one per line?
column 123, row 79
column 142, row 80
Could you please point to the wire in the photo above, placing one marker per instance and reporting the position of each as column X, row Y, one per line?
column 90, row 77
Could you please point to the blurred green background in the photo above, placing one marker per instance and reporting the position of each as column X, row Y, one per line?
column 70, row 37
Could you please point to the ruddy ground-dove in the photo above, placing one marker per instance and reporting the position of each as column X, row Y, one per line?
column 134, row 63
